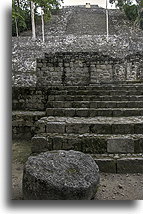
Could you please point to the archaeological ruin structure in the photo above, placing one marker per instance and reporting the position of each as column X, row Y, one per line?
column 79, row 92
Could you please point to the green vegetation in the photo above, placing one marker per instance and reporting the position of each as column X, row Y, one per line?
column 21, row 150
column 22, row 10
column 132, row 9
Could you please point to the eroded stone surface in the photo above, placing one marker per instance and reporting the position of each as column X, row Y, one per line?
column 60, row 175
column 82, row 35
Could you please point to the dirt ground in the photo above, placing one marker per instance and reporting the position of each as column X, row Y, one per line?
column 112, row 186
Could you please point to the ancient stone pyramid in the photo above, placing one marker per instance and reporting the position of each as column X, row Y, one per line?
column 84, row 94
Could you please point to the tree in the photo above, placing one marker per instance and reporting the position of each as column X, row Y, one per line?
column 26, row 12
column 140, row 13
column 18, row 16
column 42, row 19
column 46, row 6
column 33, row 20
column 133, row 11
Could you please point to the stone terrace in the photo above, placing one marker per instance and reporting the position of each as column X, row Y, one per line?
column 105, row 120
column 63, row 34
column 84, row 94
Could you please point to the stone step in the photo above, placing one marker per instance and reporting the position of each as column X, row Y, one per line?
column 107, row 162
column 125, row 163
column 92, row 112
column 89, row 143
column 97, row 92
column 97, row 125
column 99, row 87
column 95, row 104
column 23, row 123
column 94, row 98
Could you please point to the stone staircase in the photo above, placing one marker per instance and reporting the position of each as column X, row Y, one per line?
column 93, row 23
column 104, row 120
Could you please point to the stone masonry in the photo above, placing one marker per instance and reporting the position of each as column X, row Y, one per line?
column 67, row 31
column 105, row 120
column 85, row 68
column 78, row 92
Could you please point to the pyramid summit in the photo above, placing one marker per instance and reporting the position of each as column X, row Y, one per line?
column 100, row 3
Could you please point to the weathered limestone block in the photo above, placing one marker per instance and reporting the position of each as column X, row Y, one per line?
column 107, row 165
column 138, row 128
column 40, row 144
column 120, row 145
column 123, row 129
column 60, row 175
column 40, row 127
column 119, row 72
column 101, row 129
column 55, row 127
column 138, row 145
column 73, row 144
column 132, row 71
column 58, row 142
column 77, row 128
column 93, row 145
column 130, row 165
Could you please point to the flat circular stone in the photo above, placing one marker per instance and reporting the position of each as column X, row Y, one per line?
column 60, row 175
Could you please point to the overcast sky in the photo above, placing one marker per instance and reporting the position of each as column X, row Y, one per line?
column 101, row 3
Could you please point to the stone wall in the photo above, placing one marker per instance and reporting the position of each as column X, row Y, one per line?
column 74, row 29
column 23, row 123
column 28, row 105
column 29, row 99
column 84, row 68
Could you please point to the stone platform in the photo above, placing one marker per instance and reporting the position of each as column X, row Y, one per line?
column 105, row 120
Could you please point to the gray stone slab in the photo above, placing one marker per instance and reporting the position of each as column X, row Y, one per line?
column 41, row 144
column 106, row 165
column 130, row 165
column 138, row 128
column 69, row 112
column 138, row 144
column 55, row 127
column 120, row 145
column 82, row 112
column 58, row 142
column 101, row 128
column 73, row 144
column 77, row 128
column 123, row 128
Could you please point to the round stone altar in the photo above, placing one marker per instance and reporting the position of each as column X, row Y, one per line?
column 60, row 175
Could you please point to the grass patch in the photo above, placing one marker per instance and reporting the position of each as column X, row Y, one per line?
column 21, row 150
